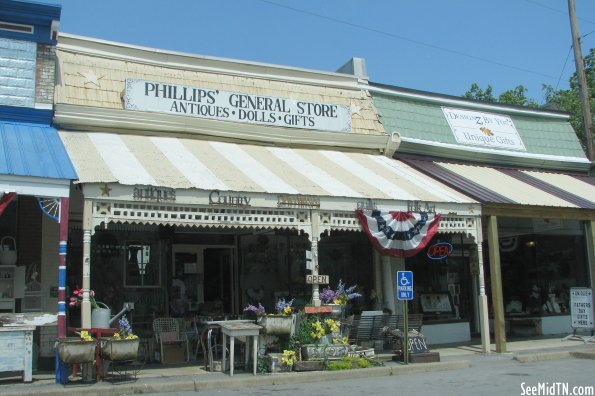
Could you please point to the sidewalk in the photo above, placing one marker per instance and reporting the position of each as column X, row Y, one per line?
column 192, row 377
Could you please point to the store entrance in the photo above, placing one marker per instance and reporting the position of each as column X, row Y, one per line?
column 203, row 280
column 219, row 277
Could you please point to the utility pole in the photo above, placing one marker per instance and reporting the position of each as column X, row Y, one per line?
column 582, row 81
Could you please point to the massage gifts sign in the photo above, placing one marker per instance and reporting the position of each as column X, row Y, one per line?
column 235, row 106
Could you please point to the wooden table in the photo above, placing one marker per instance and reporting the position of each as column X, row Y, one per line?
column 239, row 329
column 206, row 338
column 16, row 350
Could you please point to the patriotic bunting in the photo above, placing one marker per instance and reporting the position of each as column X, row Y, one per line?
column 398, row 234
column 5, row 200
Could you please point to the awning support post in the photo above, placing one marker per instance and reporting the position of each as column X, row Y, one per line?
column 314, row 237
column 496, row 280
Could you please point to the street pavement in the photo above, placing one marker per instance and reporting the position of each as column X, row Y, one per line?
column 192, row 377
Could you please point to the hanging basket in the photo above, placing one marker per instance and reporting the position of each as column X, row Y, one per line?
column 8, row 251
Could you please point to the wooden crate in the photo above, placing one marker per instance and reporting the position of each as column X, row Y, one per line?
column 308, row 365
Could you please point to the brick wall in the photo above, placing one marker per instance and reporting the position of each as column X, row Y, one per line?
column 17, row 72
column 45, row 72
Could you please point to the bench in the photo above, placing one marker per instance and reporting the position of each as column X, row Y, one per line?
column 369, row 327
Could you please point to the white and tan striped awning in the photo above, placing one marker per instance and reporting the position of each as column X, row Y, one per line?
column 210, row 165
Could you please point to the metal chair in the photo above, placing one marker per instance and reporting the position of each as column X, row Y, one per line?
column 167, row 332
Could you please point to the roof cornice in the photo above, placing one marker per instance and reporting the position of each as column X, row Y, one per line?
column 179, row 60
column 86, row 118
column 489, row 156
column 454, row 101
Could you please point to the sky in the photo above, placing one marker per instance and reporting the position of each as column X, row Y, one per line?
column 429, row 45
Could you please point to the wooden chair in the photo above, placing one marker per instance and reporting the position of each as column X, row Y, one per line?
column 167, row 332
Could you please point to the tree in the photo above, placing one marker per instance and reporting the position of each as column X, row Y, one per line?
column 567, row 100
column 475, row 92
column 514, row 96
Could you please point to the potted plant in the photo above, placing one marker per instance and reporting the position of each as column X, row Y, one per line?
column 274, row 324
column 100, row 312
column 323, row 340
column 288, row 359
column 338, row 298
column 123, row 345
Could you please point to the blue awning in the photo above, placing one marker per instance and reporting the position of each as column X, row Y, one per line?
column 33, row 160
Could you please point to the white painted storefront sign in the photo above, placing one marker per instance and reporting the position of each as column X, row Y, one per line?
column 581, row 307
column 235, row 106
column 483, row 129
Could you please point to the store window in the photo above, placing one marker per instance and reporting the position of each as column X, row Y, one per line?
column 442, row 278
column 541, row 259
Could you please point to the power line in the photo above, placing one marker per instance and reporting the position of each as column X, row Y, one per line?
column 399, row 37
column 565, row 62
column 555, row 10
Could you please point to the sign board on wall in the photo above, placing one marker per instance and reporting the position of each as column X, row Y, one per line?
column 581, row 308
column 235, row 106
column 483, row 129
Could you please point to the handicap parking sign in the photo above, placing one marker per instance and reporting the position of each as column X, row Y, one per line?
column 404, row 285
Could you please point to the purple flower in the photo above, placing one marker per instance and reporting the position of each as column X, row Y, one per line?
column 257, row 310
column 284, row 307
column 339, row 296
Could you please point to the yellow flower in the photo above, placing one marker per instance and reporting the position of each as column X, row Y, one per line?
column 117, row 336
column 287, row 310
column 288, row 358
column 85, row 336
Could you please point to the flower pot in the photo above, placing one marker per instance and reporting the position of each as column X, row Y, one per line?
column 321, row 352
column 276, row 324
column 337, row 310
column 75, row 350
column 112, row 349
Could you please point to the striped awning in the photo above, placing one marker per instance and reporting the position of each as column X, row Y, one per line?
column 498, row 185
column 212, row 165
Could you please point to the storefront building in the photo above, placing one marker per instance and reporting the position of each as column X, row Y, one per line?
column 529, row 172
column 35, row 171
column 202, row 182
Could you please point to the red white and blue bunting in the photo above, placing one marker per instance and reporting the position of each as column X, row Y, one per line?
column 399, row 234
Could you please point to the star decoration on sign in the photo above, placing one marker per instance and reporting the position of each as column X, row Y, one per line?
column 105, row 190
column 471, row 208
column 355, row 109
column 91, row 78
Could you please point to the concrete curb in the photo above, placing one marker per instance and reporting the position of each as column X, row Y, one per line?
column 222, row 381
column 583, row 354
column 542, row 356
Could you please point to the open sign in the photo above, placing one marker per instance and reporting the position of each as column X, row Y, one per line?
column 439, row 250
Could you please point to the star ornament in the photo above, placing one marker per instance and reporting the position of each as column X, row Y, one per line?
column 91, row 78
column 355, row 109
column 105, row 190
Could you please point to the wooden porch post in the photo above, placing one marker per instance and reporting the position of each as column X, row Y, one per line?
column 62, row 249
column 496, row 281
column 87, row 225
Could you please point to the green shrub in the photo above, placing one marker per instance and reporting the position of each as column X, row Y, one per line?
column 340, row 365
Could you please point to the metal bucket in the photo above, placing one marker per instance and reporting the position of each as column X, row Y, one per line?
column 75, row 350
